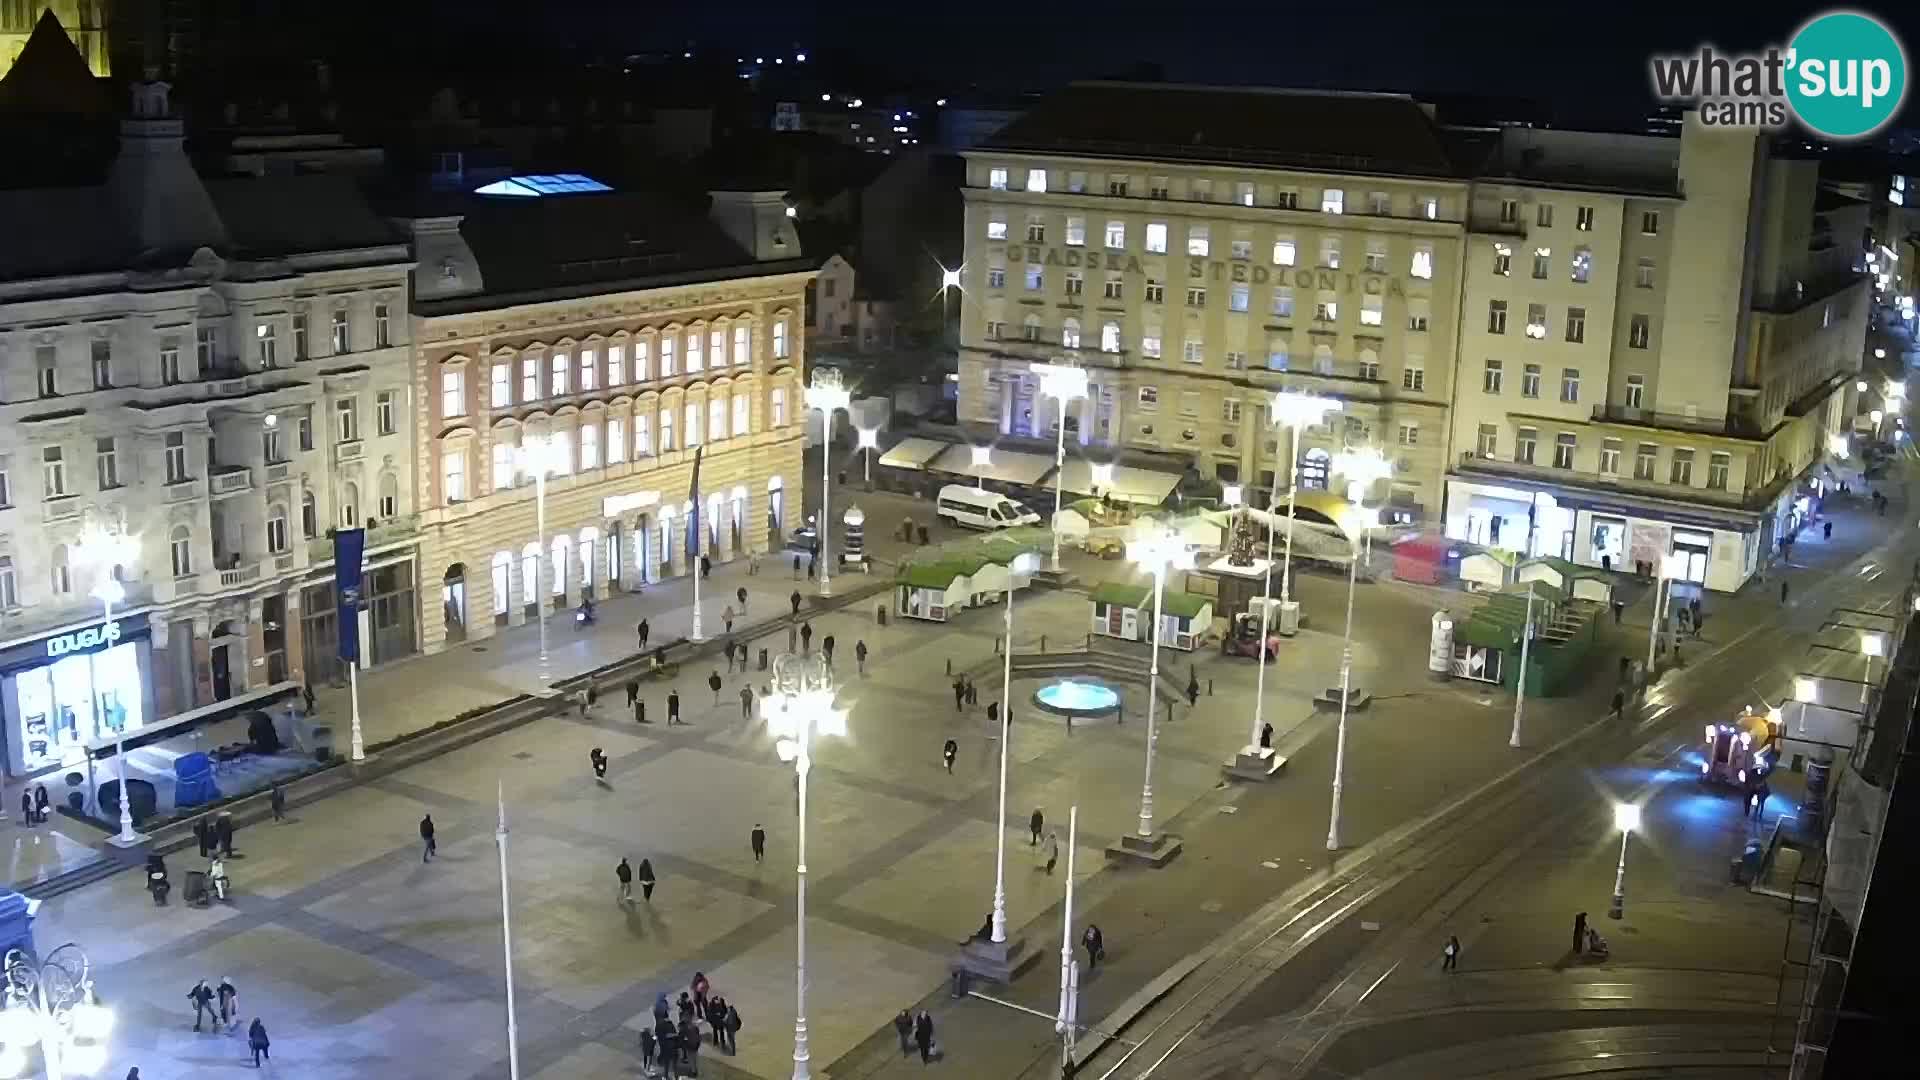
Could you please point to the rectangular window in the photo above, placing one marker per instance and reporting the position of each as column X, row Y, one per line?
column 499, row 386
column 176, row 457
column 742, row 345
column 589, row 370
column 1034, row 278
column 1116, row 236
column 616, row 440
column 1369, row 369
column 382, row 328
column 1037, row 180
column 1537, row 321
column 303, row 428
column 102, row 365
column 996, row 227
column 1563, row 448
column 1193, row 351
column 1542, row 263
column 453, row 474
column 384, row 412
column 205, row 348
column 1230, row 410
column 1326, row 307
column 47, row 361
column 106, row 464
column 1330, row 252
column 1496, row 316
column 1241, row 249
column 1243, row 193
column 1030, row 330
column 1376, row 256
column 1117, row 186
column 1639, row 329
column 780, row 350
column 346, row 420
column 1380, row 204
column 1277, row 355
column 1196, row 296
column 642, row 435
column 779, row 407
column 1149, row 398
column 642, row 356
column 1076, row 283
column 1283, row 301
column 503, row 463
column 1198, row 243
column 301, row 350
column 1610, row 457
column 270, row 448
column 716, row 418
column 1523, row 445
column 1681, row 470
column 1189, row 404
column 1287, row 199
column 1530, row 381
column 53, row 469
column 453, row 394
column 1582, row 264
column 1414, row 375
column 1429, row 207
column 1076, row 231
column 1502, row 260
column 669, row 356
column 1509, row 211
column 1200, row 190
column 1543, row 215
column 529, row 379
column 996, row 277
column 1036, row 230
column 1583, row 219
column 1333, row 201
column 1409, row 434
column 1636, row 390
column 1489, row 441
column 1643, row 273
column 997, row 179
column 1422, row 265
column 1719, row 464
column 1149, row 343
column 1237, row 297
column 170, row 365
column 342, row 334
column 1493, row 376
column 1576, row 324
column 666, row 429
column 1284, row 252
column 1570, row 385
column 742, row 414
column 1417, row 314
column 616, row 365
column 1650, row 222
column 693, row 426
column 1372, row 310
column 1076, row 182
column 1643, row 460
column 1156, row 292
column 696, row 351
column 1236, row 361
column 590, row 446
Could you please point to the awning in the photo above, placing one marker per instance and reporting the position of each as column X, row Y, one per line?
column 913, row 453
column 1005, row 466
column 1129, row 484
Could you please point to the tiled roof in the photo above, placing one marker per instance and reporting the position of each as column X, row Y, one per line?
column 1319, row 131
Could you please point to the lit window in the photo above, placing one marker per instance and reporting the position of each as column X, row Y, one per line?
column 1583, row 219
column 453, row 394
column 1036, row 179
column 1564, row 445
column 696, row 351
column 742, row 345
column 1197, row 241
column 1582, row 263
column 1537, row 321
column 996, row 229
column 616, row 365
column 1333, row 201
column 1496, row 316
column 780, row 339
column 560, row 365
column 1156, row 237
column 997, row 179
column 1639, row 330
column 589, row 446
column 1422, row 261
column 453, row 474
column 1371, row 310
column 503, row 466
column 1116, row 235
column 1110, row 337
column 499, row 386
column 1076, row 231
column 1283, row 252
column 1502, row 260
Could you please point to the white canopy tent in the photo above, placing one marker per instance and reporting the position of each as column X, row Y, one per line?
column 1130, row 484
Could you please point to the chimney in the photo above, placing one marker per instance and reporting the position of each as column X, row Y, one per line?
column 758, row 221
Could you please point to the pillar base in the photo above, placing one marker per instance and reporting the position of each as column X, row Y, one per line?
column 1157, row 850
column 995, row 961
column 1287, row 618
column 1328, row 700
column 1617, row 908
column 137, row 840
column 1255, row 763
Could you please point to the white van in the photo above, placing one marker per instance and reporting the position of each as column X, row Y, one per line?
column 979, row 509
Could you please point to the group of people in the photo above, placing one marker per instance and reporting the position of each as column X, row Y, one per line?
column 674, row 1041
column 916, row 1032
column 222, row 1006
column 34, row 804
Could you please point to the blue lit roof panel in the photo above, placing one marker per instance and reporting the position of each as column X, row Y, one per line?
column 542, row 184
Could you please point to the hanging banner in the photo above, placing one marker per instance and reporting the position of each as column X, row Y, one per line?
column 349, row 549
column 693, row 518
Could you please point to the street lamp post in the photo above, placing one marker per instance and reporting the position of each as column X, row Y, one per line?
column 1362, row 468
column 506, row 935
column 1157, row 552
column 536, row 455
column 107, row 552
column 1296, row 410
column 1520, row 682
column 869, row 441
column 50, row 1004
column 826, row 393
column 1022, row 566
column 801, row 706
column 1062, row 383
column 982, row 457
column 1626, row 818
column 1069, row 970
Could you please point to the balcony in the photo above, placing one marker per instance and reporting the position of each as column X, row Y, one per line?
column 277, row 472
column 242, row 574
column 1472, row 462
column 348, row 451
column 231, row 480
column 185, row 490
column 1733, row 427
column 389, row 531
column 63, row 508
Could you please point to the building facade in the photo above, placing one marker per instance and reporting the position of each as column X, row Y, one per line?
column 1659, row 339
column 84, row 22
column 215, row 370
column 620, row 375
column 1197, row 249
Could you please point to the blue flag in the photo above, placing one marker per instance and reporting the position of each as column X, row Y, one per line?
column 693, row 519
column 349, row 551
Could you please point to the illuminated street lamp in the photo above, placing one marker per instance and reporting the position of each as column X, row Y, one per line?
column 869, row 441
column 1626, row 818
column 1362, row 469
column 1156, row 552
column 1022, row 566
column 1672, row 565
column 539, row 455
column 982, row 457
column 1861, row 386
column 1520, row 682
column 827, row 394
column 108, row 553
column 1295, row 410
column 1062, row 383
column 800, row 707
column 50, row 1004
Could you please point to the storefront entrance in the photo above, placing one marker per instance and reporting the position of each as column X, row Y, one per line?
column 63, row 691
column 453, row 602
column 1695, row 548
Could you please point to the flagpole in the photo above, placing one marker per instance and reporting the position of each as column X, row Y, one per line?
column 698, row 530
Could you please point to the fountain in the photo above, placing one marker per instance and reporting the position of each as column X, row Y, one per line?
column 1078, row 699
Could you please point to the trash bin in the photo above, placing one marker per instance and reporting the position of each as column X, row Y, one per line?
column 322, row 737
column 880, row 614
column 959, row 982
column 763, row 659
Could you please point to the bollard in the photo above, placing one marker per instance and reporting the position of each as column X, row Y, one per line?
column 1209, row 686
column 1043, row 643
column 996, row 648
column 763, row 659
column 880, row 614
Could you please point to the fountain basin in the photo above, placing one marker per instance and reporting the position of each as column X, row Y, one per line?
column 1077, row 698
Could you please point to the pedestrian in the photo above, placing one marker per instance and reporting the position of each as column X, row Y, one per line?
column 27, row 815
column 133, row 1073
column 581, row 700
column 41, row 803
column 1619, row 703
column 690, row 1046
column 959, row 695
column 202, row 997
column 948, row 753
column 740, row 594
column 713, row 683
column 1053, row 850
column 860, row 655
column 660, row 1008
column 669, row 1039
column 717, row 1020
column 700, row 987
column 1193, row 689
column 826, row 650
column 793, row 599
column 1783, row 593
column 973, row 693
column 659, row 657
column 633, row 692
column 646, row 1051
column 1826, row 530
column 1451, row 954
column 923, row 1036
column 706, row 567
column 813, row 564
column 993, row 714
column 1693, row 606
column 429, row 848
column 806, row 638
column 903, row 1027
column 758, row 840
column 673, row 707
column 646, row 880
column 1579, row 933
column 645, row 630
column 229, row 998
column 624, row 874
column 746, row 703
column 796, row 572
column 726, row 617
column 1034, row 824
column 1619, row 608
column 306, row 694
column 257, row 1041
column 1266, row 736
column 222, row 832
column 277, row 801
column 1096, row 945
column 732, row 1026
column 202, row 829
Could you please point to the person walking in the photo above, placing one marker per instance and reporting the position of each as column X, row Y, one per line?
column 202, row 997
column 700, row 988
column 41, row 803
column 1034, row 824
column 959, row 695
column 428, row 848
column 1579, row 933
column 646, row 880
column 645, row 630
column 690, row 1046
column 669, row 1039
column 1619, row 703
column 717, row 1020
column 903, row 1027
column 624, row 874
column 257, row 1042
column 796, row 571
column 740, row 594
column 646, row 1051
column 1096, row 945
column 948, row 753
column 993, row 715
column 860, row 655
column 1053, row 850
column 923, row 1036
column 758, row 841
column 633, row 693
column 1193, row 689
column 229, row 998
column 746, row 703
column 1450, row 954
column 1826, row 530
column 202, row 828
column 713, row 683
column 726, row 618
column 706, row 567
column 793, row 599
column 306, row 695
column 806, row 638
column 813, row 564
column 27, row 815
column 673, row 707
column 277, row 801
column 731, row 1024
column 826, row 650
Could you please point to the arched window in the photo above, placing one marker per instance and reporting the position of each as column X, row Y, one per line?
column 309, row 516
column 1070, row 333
column 9, row 587
column 62, row 572
column 390, row 491
column 1110, row 337
column 277, row 541
column 349, row 505
column 1030, row 327
column 502, row 581
column 180, row 548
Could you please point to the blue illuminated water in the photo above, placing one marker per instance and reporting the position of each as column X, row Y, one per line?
column 1078, row 697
